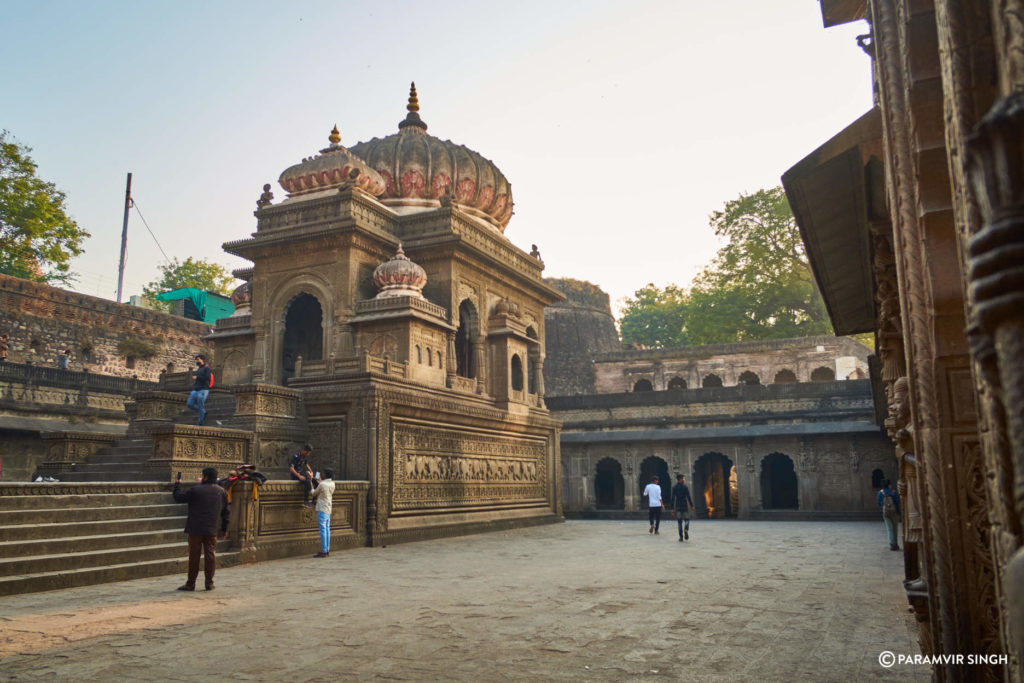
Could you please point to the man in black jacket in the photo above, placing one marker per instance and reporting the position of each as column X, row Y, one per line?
column 201, row 382
column 682, row 504
column 206, row 503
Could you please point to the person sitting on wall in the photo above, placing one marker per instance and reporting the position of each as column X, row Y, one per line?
column 201, row 382
column 299, row 470
column 5, row 345
column 64, row 359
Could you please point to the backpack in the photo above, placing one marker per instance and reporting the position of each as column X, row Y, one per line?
column 211, row 379
column 888, row 505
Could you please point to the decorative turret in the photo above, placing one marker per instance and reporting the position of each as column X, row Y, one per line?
column 399, row 277
column 333, row 167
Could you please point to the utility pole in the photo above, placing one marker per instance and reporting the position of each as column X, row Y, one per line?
column 124, row 238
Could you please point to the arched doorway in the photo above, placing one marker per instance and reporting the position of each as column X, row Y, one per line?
column 711, row 380
column 654, row 466
column 609, row 487
column 877, row 478
column 643, row 385
column 778, row 483
column 749, row 377
column 823, row 374
column 465, row 336
column 784, row 376
column 713, row 475
column 677, row 383
column 303, row 333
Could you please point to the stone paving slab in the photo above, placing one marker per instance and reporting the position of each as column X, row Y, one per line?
column 580, row 601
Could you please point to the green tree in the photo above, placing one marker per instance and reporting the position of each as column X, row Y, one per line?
column 656, row 317
column 195, row 273
column 37, row 237
column 759, row 285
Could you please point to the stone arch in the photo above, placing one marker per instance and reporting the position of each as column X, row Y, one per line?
column 858, row 373
column 419, row 355
column 784, row 376
column 654, row 466
column 465, row 340
column 877, row 478
column 609, row 486
column 285, row 296
column 676, row 383
column 516, row 367
column 430, row 356
column 823, row 374
column 748, row 377
column 439, row 363
column 713, row 476
column 303, row 332
column 711, row 380
column 779, row 484
column 643, row 384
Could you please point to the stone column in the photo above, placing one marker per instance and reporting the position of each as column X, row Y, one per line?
column 538, row 375
column 479, row 350
column 451, row 365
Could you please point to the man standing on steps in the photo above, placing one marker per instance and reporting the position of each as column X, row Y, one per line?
column 206, row 502
column 201, row 382
column 682, row 504
column 654, row 504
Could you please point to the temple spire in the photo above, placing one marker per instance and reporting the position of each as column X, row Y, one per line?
column 335, row 136
column 413, row 117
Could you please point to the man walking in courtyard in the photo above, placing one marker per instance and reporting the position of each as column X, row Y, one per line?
column 889, row 504
column 654, row 504
column 682, row 504
column 202, row 380
column 206, row 502
column 323, row 494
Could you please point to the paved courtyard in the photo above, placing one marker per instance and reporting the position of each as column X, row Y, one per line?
column 584, row 600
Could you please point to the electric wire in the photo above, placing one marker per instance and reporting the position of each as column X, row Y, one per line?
column 135, row 205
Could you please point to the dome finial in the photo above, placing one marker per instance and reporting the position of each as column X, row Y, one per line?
column 413, row 117
column 335, row 136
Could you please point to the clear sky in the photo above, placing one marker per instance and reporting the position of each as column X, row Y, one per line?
column 621, row 124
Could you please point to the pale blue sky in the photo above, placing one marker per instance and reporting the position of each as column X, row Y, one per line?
column 621, row 125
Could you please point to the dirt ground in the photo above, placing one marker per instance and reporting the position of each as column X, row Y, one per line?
column 587, row 601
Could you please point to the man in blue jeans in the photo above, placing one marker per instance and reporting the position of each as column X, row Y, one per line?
column 889, row 504
column 200, row 388
column 323, row 494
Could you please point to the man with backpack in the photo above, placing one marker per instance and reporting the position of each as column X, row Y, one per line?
column 202, row 382
column 889, row 504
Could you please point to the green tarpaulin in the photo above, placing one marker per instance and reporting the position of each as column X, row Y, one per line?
column 212, row 307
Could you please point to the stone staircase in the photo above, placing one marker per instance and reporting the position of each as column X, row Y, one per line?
column 125, row 460
column 62, row 535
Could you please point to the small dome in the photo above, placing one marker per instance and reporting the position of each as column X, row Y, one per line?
column 242, row 298
column 333, row 166
column 506, row 307
column 399, row 277
column 418, row 168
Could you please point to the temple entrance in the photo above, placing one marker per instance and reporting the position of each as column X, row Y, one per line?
column 778, row 483
column 655, row 467
column 303, row 333
column 713, row 477
column 609, row 487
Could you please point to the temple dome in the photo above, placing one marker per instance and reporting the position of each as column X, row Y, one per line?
column 331, row 168
column 420, row 170
column 399, row 277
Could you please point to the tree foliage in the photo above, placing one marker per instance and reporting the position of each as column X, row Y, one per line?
column 195, row 273
column 759, row 285
column 37, row 237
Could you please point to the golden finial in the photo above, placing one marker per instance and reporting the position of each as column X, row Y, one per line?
column 335, row 136
column 414, row 103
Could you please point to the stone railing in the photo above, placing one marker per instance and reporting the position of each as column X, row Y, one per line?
column 64, row 450
column 26, row 373
column 362, row 364
column 273, row 523
column 188, row 449
column 851, row 388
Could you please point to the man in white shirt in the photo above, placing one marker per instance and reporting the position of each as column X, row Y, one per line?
column 654, row 503
column 323, row 494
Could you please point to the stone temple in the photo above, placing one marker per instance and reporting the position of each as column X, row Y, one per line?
column 408, row 329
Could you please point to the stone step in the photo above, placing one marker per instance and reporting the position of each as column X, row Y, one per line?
column 53, row 580
column 82, row 527
column 91, row 558
column 155, row 494
column 115, row 458
column 66, row 515
column 97, row 475
column 33, row 550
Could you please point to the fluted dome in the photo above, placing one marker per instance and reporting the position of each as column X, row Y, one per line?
column 399, row 277
column 333, row 166
column 419, row 170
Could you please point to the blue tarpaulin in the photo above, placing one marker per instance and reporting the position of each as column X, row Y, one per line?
column 211, row 306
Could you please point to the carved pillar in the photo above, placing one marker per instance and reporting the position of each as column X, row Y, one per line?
column 479, row 353
column 996, row 289
column 538, row 374
column 451, row 365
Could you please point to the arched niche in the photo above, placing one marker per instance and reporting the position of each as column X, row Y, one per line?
column 609, row 486
column 748, row 377
column 516, row 368
column 823, row 374
column 784, row 376
column 643, row 385
column 676, row 383
column 654, row 466
column 779, row 485
column 711, row 380
column 303, row 332
column 465, row 339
